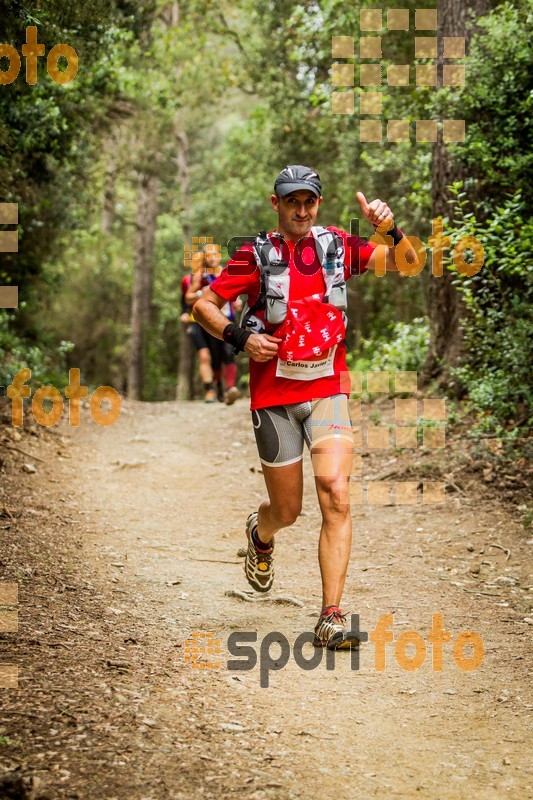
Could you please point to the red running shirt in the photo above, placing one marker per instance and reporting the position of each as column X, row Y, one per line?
column 241, row 276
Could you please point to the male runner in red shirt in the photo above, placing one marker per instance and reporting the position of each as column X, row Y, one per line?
column 290, row 407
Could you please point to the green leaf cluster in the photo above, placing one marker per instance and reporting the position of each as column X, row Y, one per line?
column 496, row 369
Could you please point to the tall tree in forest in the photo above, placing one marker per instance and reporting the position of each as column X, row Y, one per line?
column 185, row 384
column 143, row 282
column 445, row 306
column 108, row 204
column 185, row 381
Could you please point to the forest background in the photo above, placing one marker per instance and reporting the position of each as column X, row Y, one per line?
column 181, row 115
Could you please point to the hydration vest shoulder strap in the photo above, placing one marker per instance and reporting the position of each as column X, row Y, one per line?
column 271, row 264
column 332, row 254
column 269, row 261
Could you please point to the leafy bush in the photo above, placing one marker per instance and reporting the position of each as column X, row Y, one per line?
column 47, row 363
column 496, row 103
column 496, row 368
column 404, row 350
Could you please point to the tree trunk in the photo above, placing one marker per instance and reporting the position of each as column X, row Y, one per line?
column 185, row 377
column 108, row 211
column 142, row 290
column 185, row 385
column 171, row 15
column 445, row 306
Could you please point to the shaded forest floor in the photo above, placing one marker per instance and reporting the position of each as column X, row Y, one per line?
column 125, row 540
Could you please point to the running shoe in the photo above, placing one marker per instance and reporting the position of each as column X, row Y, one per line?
column 231, row 395
column 330, row 631
column 220, row 392
column 210, row 396
column 258, row 567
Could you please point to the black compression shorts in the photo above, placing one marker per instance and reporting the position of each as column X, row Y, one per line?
column 200, row 336
column 280, row 431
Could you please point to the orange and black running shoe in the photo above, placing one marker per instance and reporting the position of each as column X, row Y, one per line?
column 258, row 565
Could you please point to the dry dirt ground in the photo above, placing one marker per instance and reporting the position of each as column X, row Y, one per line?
column 124, row 542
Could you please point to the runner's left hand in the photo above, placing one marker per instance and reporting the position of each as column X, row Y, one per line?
column 375, row 212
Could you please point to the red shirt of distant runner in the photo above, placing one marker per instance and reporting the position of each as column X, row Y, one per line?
column 241, row 276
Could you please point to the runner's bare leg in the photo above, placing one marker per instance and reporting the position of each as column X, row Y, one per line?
column 204, row 366
column 332, row 464
column 285, row 491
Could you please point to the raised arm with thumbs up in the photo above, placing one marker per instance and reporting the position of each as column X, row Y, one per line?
column 375, row 212
column 383, row 259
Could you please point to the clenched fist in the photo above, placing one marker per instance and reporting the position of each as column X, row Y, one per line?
column 262, row 346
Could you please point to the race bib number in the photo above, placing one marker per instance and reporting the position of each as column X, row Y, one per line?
column 307, row 370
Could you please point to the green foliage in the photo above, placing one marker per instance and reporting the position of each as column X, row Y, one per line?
column 47, row 144
column 47, row 361
column 497, row 105
column 497, row 365
column 403, row 350
column 90, row 304
column 231, row 186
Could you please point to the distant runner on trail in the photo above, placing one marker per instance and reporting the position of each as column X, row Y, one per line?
column 200, row 337
column 293, row 328
column 216, row 357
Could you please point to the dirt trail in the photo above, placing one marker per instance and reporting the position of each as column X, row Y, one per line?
column 126, row 542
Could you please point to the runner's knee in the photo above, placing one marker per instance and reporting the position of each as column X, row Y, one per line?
column 285, row 515
column 336, row 491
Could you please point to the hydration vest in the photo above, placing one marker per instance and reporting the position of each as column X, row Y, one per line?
column 275, row 278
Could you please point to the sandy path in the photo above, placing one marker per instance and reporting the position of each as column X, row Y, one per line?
column 161, row 497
